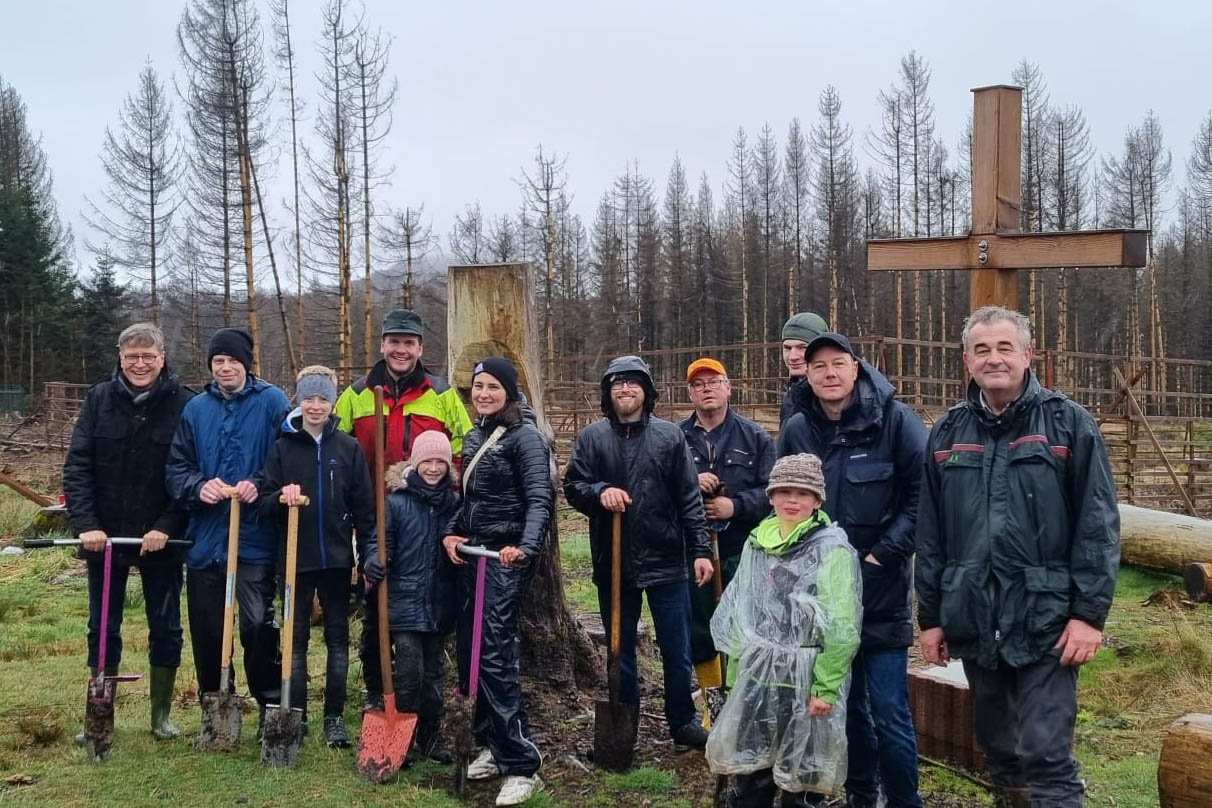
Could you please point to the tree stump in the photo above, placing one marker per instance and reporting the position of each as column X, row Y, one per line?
column 1197, row 579
column 490, row 312
column 1184, row 778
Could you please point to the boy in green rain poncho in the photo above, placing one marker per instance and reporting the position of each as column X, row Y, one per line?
column 789, row 624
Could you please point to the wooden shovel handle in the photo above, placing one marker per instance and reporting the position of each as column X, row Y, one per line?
column 381, row 528
column 229, row 594
column 304, row 501
column 616, row 586
column 288, row 598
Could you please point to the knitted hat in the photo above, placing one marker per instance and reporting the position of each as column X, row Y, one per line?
column 805, row 326
column 432, row 444
column 315, row 384
column 233, row 342
column 802, row 471
column 503, row 371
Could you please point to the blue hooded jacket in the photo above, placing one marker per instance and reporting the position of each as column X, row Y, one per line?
column 227, row 438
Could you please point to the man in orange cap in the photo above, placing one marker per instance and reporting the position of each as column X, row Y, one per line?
column 733, row 457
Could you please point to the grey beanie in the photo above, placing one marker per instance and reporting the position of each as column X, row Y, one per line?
column 805, row 326
column 802, row 471
column 315, row 384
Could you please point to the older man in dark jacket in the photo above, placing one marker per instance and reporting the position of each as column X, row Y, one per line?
column 733, row 457
column 113, row 479
column 1018, row 546
column 872, row 447
column 636, row 464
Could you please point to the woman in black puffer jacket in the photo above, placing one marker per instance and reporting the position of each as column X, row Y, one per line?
column 508, row 496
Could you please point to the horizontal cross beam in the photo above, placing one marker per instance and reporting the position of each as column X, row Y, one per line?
column 1082, row 248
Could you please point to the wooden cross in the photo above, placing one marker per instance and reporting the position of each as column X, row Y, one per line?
column 996, row 248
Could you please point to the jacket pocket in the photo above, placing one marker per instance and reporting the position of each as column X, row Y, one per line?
column 960, row 603
column 868, row 494
column 1047, row 601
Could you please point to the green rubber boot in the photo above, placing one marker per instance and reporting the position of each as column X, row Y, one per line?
column 161, row 687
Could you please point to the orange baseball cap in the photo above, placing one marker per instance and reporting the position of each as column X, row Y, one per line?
column 699, row 365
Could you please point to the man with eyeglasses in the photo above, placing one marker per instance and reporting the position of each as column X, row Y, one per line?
column 733, row 457
column 113, row 481
column 872, row 447
column 636, row 464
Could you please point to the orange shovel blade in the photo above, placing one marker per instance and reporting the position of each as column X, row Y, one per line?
column 384, row 741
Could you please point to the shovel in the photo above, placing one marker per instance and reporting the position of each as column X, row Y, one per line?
column 614, row 723
column 463, row 707
column 283, row 723
column 387, row 733
column 99, row 707
column 222, row 712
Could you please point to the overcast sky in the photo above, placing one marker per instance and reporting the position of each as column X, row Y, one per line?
column 481, row 84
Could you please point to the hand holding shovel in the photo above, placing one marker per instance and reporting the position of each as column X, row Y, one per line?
column 283, row 723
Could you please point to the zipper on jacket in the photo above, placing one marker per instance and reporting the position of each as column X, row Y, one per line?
column 320, row 502
column 407, row 436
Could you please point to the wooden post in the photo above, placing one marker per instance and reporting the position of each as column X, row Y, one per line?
column 490, row 312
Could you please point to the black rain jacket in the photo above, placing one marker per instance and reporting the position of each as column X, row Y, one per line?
column 1019, row 528
column 664, row 523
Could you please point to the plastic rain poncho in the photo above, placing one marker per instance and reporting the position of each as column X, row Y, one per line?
column 789, row 623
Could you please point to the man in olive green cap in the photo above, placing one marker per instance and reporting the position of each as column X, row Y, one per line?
column 800, row 330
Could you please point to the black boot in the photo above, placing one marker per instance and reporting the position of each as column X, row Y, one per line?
column 691, row 736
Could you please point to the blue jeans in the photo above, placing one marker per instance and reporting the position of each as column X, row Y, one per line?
column 670, row 607
column 161, row 601
column 879, row 729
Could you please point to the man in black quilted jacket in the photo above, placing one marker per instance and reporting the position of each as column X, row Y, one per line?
column 636, row 464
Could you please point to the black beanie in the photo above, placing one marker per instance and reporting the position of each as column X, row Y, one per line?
column 233, row 342
column 503, row 371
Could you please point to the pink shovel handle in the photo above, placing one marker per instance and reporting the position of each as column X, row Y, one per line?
column 109, row 557
column 477, row 627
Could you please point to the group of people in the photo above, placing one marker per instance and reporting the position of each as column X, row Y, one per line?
column 1007, row 504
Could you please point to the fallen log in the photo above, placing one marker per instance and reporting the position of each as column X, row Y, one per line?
column 1162, row 541
column 1184, row 780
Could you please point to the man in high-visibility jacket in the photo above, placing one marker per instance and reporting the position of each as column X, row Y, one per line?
column 415, row 399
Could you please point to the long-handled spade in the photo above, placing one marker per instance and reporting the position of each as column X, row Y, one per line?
column 99, row 704
column 283, row 723
column 387, row 733
column 222, row 712
column 463, row 707
column 615, row 723
column 99, row 708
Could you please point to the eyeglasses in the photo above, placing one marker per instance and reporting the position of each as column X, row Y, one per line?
column 619, row 384
column 136, row 358
column 699, row 385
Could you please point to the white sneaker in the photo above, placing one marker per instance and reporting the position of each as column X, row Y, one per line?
column 484, row 767
column 519, row 789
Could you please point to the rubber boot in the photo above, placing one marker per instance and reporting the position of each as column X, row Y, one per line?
column 161, row 688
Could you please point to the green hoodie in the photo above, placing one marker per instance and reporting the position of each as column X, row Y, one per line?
column 835, row 589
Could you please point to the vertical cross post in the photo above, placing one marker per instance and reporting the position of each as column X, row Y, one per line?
column 996, row 186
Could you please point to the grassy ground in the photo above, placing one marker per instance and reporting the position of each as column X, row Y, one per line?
column 1157, row 666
